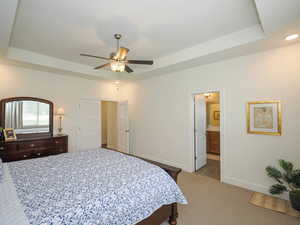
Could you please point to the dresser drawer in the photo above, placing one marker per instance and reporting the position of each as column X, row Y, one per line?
column 8, row 147
column 41, row 152
column 34, row 145
column 58, row 141
column 60, row 145
column 59, row 149
column 14, row 156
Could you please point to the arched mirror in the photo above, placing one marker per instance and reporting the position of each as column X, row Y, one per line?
column 29, row 117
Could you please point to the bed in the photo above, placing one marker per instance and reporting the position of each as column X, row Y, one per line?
column 88, row 188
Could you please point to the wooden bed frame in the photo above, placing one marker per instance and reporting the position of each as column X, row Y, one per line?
column 167, row 211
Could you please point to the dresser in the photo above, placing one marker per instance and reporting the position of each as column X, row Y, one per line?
column 33, row 148
column 213, row 142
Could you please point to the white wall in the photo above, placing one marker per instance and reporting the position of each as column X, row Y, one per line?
column 160, row 114
column 63, row 91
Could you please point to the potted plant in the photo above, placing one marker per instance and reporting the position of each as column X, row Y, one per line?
column 288, row 180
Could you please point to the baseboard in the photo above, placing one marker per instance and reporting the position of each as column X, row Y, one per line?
column 250, row 186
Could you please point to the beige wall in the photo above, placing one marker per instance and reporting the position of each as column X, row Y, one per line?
column 211, row 108
column 109, row 128
column 212, row 105
column 63, row 91
column 161, row 113
column 213, row 98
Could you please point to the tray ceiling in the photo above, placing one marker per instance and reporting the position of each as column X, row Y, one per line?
column 151, row 29
column 177, row 34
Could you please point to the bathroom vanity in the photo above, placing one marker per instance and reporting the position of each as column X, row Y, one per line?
column 213, row 140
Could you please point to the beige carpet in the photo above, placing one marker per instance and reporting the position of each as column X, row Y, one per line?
column 213, row 203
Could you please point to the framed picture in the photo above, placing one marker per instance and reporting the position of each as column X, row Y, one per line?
column 264, row 117
column 216, row 115
column 9, row 134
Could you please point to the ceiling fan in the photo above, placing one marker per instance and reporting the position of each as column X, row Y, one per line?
column 118, row 61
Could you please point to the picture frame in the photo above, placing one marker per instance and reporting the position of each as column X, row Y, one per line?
column 9, row 134
column 264, row 117
column 216, row 115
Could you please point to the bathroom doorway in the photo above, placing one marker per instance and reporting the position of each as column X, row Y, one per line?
column 207, row 119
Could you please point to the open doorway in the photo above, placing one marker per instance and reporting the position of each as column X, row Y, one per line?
column 115, row 133
column 103, row 123
column 207, row 134
column 109, row 125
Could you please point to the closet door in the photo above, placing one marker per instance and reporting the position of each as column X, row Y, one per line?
column 124, row 132
column 89, row 132
column 200, row 131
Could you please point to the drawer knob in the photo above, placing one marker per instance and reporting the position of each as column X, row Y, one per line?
column 56, row 142
column 31, row 145
column 24, row 156
column 1, row 148
column 39, row 154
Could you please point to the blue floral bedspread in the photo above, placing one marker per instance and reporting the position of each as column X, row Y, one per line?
column 93, row 187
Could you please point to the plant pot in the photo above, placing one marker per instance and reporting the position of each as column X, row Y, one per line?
column 295, row 199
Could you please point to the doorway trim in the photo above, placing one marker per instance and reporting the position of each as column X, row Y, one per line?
column 99, row 100
column 222, row 126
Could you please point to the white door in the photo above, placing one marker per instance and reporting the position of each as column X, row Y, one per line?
column 124, row 132
column 200, row 131
column 89, row 133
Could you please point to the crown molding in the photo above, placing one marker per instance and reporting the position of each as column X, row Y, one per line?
column 35, row 59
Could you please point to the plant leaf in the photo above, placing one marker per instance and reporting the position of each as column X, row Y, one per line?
column 274, row 173
column 287, row 166
column 277, row 189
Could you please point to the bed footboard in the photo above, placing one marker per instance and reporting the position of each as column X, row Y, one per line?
column 167, row 211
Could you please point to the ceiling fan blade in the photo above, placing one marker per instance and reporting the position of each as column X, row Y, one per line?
column 99, row 67
column 99, row 57
column 122, row 53
column 145, row 62
column 128, row 69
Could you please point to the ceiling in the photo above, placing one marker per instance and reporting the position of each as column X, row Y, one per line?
column 174, row 33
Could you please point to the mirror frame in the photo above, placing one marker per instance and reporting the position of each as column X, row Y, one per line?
column 29, row 135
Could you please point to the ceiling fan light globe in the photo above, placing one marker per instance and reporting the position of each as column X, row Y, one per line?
column 117, row 66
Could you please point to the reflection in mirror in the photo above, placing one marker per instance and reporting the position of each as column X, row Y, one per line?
column 27, row 116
